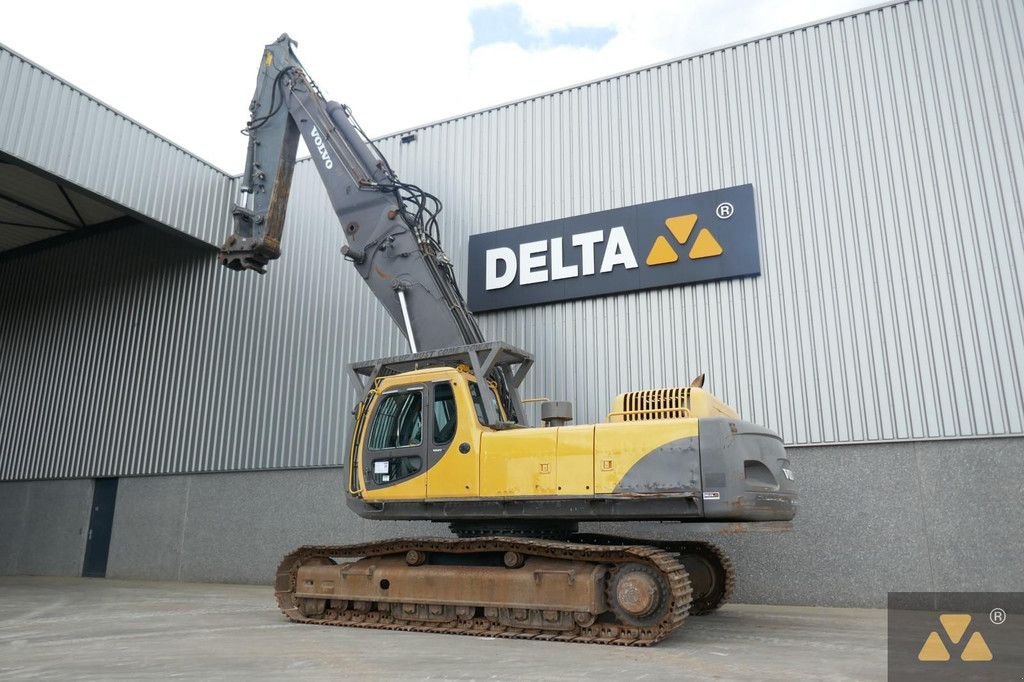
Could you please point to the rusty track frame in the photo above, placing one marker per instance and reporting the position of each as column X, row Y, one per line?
column 660, row 561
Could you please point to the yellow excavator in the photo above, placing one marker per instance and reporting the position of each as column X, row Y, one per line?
column 440, row 434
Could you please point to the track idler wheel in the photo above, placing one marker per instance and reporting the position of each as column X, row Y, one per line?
column 638, row 595
column 712, row 576
column 284, row 587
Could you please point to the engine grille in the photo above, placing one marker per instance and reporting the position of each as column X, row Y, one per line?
column 661, row 403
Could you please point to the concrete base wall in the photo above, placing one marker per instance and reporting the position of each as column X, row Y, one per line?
column 873, row 519
column 43, row 526
column 233, row 527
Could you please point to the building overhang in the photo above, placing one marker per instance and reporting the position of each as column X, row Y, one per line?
column 69, row 162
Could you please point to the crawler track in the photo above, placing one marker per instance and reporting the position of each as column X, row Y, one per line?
column 659, row 565
column 711, row 589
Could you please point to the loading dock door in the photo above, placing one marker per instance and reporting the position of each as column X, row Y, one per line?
column 101, row 521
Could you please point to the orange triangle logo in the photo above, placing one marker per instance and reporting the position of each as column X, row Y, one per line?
column 681, row 227
column 705, row 246
column 662, row 252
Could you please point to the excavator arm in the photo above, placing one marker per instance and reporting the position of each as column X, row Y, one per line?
column 390, row 226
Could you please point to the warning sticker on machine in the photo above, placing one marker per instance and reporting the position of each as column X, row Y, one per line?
column 713, row 496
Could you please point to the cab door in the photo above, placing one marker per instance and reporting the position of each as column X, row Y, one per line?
column 395, row 451
column 453, row 457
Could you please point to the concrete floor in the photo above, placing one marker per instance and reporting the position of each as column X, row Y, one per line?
column 116, row 629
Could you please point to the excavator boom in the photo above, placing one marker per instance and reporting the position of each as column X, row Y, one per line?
column 390, row 226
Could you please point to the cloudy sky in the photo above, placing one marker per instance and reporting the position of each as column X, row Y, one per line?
column 187, row 69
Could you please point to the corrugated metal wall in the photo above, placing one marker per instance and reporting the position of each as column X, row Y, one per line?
column 50, row 124
column 133, row 352
column 886, row 150
column 887, row 154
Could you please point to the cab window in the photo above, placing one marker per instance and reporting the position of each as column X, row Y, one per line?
column 445, row 417
column 398, row 422
column 478, row 403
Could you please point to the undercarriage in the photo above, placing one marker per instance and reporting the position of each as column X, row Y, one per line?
column 585, row 588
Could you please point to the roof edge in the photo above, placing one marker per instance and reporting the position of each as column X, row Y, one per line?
column 113, row 110
column 674, row 60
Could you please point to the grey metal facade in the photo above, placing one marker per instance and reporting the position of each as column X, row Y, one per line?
column 885, row 149
column 132, row 352
column 885, row 152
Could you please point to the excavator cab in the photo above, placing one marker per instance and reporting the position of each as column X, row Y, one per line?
column 418, row 435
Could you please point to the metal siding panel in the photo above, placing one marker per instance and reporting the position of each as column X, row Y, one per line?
column 125, row 356
column 849, row 334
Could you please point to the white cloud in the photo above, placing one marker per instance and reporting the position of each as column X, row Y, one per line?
column 187, row 69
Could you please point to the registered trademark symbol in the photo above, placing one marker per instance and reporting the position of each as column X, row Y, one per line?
column 997, row 616
column 724, row 210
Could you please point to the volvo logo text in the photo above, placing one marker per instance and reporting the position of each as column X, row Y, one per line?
column 320, row 147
